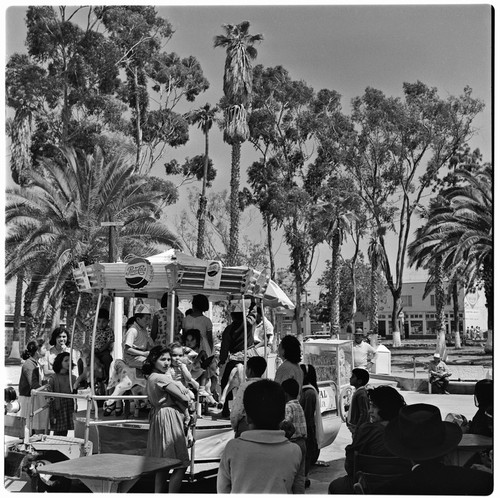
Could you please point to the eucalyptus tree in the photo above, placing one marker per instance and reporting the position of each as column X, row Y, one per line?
column 400, row 149
column 55, row 222
column 237, row 86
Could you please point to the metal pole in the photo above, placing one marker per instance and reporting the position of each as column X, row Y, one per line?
column 92, row 346
column 264, row 329
column 72, row 341
column 414, row 372
column 245, row 332
column 172, row 316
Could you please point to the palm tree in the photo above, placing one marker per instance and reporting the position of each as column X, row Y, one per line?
column 376, row 256
column 55, row 222
column 240, row 51
column 204, row 117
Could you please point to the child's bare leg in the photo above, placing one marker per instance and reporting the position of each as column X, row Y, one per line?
column 175, row 481
column 161, row 481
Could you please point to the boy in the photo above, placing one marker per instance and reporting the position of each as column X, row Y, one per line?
column 261, row 460
column 295, row 417
column 360, row 404
column 256, row 366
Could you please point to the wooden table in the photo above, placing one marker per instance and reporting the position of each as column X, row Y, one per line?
column 109, row 472
column 468, row 446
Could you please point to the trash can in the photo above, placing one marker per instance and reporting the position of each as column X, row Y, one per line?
column 383, row 361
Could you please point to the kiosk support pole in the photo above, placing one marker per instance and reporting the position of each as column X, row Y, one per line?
column 72, row 339
column 172, row 316
column 245, row 332
column 92, row 346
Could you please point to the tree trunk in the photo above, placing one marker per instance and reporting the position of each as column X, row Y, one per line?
column 138, row 132
column 200, row 251
column 396, row 309
column 232, row 257
column 374, row 301
column 29, row 319
column 269, row 227
column 456, row 317
column 17, row 336
column 298, row 305
column 440, row 315
column 335, row 285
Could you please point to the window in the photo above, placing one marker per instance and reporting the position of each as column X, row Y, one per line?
column 406, row 301
column 433, row 300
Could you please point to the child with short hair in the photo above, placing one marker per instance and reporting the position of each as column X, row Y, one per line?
column 360, row 404
column 261, row 460
column 256, row 366
column 294, row 415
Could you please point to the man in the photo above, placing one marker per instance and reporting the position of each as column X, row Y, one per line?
column 363, row 354
column 263, row 324
column 438, row 374
column 419, row 434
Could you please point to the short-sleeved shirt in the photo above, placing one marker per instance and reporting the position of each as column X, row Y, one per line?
column 289, row 370
column 259, row 330
column 204, row 325
column 103, row 337
column 295, row 414
column 360, row 354
column 138, row 338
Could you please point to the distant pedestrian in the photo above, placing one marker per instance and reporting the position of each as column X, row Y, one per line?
column 261, row 460
column 363, row 353
column 359, row 408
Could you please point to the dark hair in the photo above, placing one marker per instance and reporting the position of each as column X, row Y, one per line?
column 387, row 400
column 130, row 322
column 103, row 313
column 58, row 362
column 291, row 348
column 362, row 375
column 189, row 312
column 196, row 335
column 257, row 364
column 483, row 391
column 310, row 376
column 56, row 333
column 10, row 394
column 165, row 299
column 31, row 348
column 264, row 402
column 150, row 362
column 291, row 387
column 200, row 302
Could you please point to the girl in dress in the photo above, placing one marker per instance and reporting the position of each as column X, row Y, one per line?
column 166, row 437
column 32, row 378
column 61, row 409
column 197, row 320
column 59, row 342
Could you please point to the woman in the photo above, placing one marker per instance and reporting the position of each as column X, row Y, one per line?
column 289, row 351
column 32, row 378
column 166, row 435
column 160, row 328
column 197, row 320
column 369, row 439
column 59, row 342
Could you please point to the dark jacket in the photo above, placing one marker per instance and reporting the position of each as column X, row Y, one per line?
column 233, row 337
column 30, row 377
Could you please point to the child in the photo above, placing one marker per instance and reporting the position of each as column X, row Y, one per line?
column 104, row 340
column 309, row 401
column 191, row 341
column 359, row 409
column 166, row 437
column 261, row 460
column 294, row 417
column 61, row 409
column 256, row 366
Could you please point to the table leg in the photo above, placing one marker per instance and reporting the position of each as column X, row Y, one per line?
column 107, row 486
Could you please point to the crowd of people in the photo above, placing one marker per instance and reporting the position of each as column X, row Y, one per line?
column 277, row 422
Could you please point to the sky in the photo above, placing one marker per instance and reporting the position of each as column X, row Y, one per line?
column 344, row 47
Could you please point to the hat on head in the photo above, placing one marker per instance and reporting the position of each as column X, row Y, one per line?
column 236, row 307
column 142, row 309
column 419, row 433
column 359, row 332
column 437, row 355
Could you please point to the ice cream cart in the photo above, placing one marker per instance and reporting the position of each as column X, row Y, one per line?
column 332, row 359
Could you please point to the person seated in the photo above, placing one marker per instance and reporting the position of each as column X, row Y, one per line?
column 385, row 403
column 137, row 342
column 256, row 366
column 261, row 460
column 104, row 341
column 482, row 422
column 419, row 434
column 438, row 374
column 359, row 407
column 264, row 333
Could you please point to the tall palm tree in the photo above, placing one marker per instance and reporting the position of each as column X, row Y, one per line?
column 240, row 51
column 376, row 256
column 55, row 222
column 204, row 117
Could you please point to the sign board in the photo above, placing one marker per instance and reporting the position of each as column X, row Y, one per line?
column 213, row 275
column 172, row 271
column 138, row 273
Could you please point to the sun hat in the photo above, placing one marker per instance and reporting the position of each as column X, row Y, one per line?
column 142, row 309
column 359, row 332
column 419, row 433
column 437, row 355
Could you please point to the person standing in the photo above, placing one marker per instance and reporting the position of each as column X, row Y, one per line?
column 104, row 341
column 359, row 408
column 438, row 374
column 263, row 328
column 166, row 436
column 363, row 353
column 59, row 341
column 290, row 352
column 197, row 320
column 32, row 378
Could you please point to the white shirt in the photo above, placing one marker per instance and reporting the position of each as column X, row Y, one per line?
column 361, row 353
column 259, row 331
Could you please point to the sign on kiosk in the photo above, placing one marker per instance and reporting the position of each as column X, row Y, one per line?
column 213, row 275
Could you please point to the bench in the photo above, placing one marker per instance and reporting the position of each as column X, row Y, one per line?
column 465, row 373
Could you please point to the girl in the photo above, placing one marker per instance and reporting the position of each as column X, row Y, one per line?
column 289, row 351
column 166, row 437
column 309, row 401
column 59, row 342
column 32, row 378
column 191, row 339
column 197, row 320
column 61, row 409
